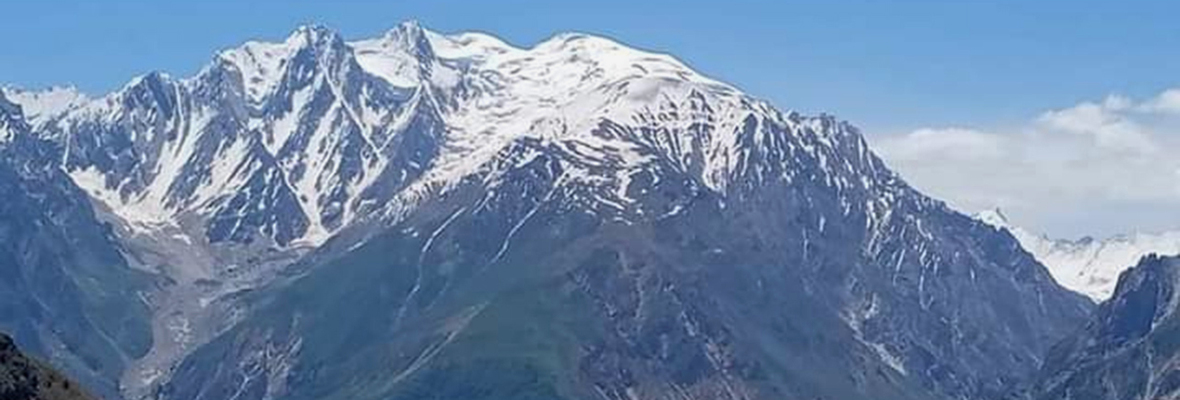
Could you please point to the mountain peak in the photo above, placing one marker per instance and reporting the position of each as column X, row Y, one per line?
column 403, row 56
column 312, row 34
column 153, row 78
column 318, row 39
column 262, row 64
column 407, row 28
column 410, row 39
column 994, row 217
column 413, row 38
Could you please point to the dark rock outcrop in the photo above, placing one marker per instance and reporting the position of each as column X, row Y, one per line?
column 23, row 378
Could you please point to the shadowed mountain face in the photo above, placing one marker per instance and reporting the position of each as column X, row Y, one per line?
column 728, row 297
column 23, row 378
column 574, row 220
column 66, row 291
column 1130, row 349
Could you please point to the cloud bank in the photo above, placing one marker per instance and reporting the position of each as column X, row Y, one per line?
column 1096, row 168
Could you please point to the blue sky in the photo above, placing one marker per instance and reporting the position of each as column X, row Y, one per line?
column 887, row 65
column 891, row 67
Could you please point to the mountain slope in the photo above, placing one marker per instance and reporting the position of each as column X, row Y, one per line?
column 67, row 291
column 578, row 219
column 22, row 378
column 604, row 222
column 1128, row 350
column 1088, row 266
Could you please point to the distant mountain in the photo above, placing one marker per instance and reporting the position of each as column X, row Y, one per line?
column 23, row 378
column 1088, row 266
column 1129, row 349
column 422, row 215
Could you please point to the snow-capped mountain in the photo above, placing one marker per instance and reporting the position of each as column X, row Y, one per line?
column 1088, row 266
column 270, row 141
column 288, row 143
column 292, row 141
column 670, row 228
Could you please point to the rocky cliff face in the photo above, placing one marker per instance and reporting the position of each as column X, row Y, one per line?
column 1129, row 349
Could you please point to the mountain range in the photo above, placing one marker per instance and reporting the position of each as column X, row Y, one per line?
column 1088, row 266
column 424, row 215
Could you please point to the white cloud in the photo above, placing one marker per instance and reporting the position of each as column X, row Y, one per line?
column 1071, row 171
column 952, row 143
column 1107, row 123
column 1166, row 102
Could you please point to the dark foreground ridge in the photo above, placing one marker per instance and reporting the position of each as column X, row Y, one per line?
column 23, row 378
